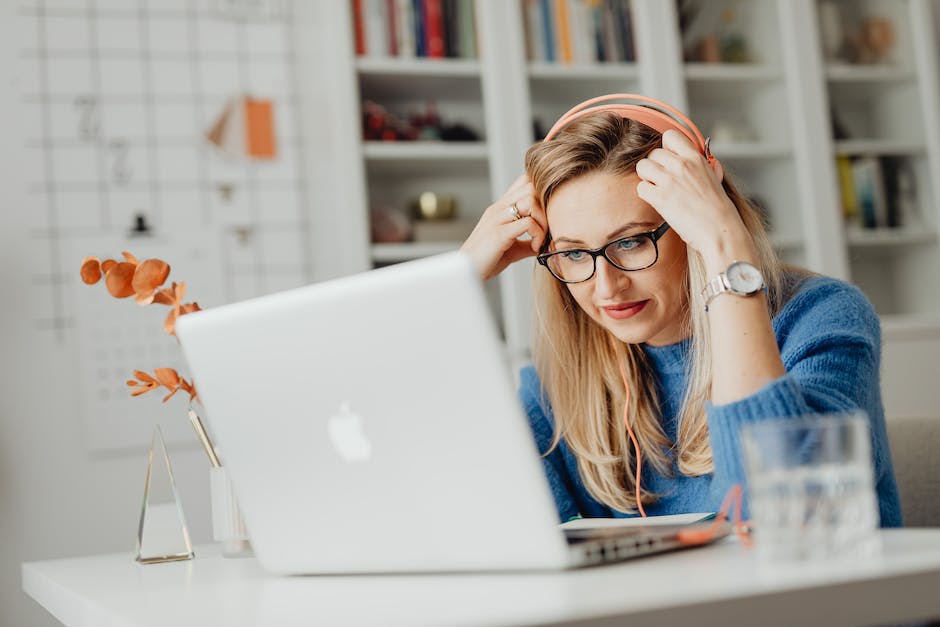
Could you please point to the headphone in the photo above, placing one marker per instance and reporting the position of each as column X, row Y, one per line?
column 654, row 113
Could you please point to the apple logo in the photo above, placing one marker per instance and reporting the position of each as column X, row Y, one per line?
column 347, row 435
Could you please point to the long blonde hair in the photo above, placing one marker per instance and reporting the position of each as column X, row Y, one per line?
column 577, row 360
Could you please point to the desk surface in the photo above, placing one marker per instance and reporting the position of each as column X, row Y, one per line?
column 719, row 584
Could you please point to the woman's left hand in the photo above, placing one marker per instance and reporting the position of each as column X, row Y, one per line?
column 686, row 191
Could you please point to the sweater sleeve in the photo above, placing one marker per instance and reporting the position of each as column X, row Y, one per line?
column 536, row 408
column 830, row 342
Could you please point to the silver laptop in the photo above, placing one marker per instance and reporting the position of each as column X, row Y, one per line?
column 371, row 424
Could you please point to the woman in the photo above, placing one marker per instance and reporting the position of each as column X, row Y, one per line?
column 638, row 232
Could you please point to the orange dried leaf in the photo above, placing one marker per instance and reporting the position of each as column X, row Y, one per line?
column 170, row 395
column 163, row 297
column 107, row 264
column 189, row 308
column 167, row 377
column 148, row 277
column 143, row 376
column 130, row 258
column 118, row 279
column 91, row 270
column 169, row 325
column 143, row 389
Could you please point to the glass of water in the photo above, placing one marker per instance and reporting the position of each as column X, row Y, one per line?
column 810, row 484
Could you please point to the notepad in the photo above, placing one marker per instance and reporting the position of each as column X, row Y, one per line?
column 638, row 521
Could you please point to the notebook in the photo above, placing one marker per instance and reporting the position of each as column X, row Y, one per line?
column 371, row 424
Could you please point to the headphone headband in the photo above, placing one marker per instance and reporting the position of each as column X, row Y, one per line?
column 654, row 113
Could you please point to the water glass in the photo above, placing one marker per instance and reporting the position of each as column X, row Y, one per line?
column 810, row 485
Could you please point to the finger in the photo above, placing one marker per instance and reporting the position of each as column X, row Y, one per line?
column 651, row 171
column 649, row 193
column 680, row 144
column 666, row 159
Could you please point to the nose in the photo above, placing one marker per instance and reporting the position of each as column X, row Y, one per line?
column 609, row 280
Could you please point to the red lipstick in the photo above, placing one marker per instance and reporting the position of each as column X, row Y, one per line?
column 622, row 311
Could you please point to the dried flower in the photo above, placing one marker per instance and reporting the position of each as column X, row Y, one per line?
column 143, row 281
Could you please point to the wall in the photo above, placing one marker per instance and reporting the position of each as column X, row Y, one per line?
column 59, row 495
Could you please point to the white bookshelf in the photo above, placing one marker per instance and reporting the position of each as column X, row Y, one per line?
column 784, row 94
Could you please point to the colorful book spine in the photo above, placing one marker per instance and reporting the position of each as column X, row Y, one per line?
column 563, row 27
column 404, row 20
column 548, row 28
column 359, row 30
column 467, row 29
column 434, row 29
column 420, row 37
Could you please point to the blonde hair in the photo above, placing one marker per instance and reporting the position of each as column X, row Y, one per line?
column 577, row 360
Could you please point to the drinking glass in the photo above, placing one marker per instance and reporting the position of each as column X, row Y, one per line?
column 811, row 490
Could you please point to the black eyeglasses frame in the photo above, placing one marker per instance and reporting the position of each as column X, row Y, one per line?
column 654, row 236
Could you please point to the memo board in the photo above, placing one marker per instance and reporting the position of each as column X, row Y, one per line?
column 117, row 97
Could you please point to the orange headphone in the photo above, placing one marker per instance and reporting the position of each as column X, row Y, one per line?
column 654, row 113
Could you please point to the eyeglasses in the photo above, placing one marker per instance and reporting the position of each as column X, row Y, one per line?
column 628, row 253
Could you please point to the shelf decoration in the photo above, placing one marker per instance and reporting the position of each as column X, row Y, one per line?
column 245, row 128
column 162, row 533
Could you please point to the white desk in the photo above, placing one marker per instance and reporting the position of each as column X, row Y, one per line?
column 720, row 584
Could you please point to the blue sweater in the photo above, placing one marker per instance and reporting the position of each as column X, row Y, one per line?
column 830, row 341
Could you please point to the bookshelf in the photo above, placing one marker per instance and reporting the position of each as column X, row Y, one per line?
column 885, row 109
column 767, row 104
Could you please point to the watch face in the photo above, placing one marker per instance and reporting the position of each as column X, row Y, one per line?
column 744, row 278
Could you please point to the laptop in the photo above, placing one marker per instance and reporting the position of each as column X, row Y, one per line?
column 371, row 424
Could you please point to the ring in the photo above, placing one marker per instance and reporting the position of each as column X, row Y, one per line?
column 514, row 211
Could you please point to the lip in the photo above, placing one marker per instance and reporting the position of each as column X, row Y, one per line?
column 622, row 311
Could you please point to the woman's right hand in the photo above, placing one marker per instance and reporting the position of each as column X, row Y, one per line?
column 494, row 242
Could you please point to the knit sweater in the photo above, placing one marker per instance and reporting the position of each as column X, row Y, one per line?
column 830, row 342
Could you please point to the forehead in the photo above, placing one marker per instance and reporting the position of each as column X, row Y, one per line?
column 590, row 207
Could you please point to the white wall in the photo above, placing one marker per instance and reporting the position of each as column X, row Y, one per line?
column 55, row 499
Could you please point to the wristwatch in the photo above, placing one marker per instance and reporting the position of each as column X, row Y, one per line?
column 741, row 279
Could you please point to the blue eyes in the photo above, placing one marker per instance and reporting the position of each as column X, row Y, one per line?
column 628, row 244
column 625, row 245
column 574, row 255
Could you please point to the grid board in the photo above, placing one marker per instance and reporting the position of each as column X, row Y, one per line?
column 116, row 98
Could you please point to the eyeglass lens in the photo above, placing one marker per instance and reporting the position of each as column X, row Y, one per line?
column 630, row 253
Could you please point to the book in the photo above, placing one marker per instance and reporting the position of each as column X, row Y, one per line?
column 847, row 187
column 419, row 25
column 466, row 28
column 405, row 23
column 359, row 27
column 376, row 27
column 548, row 28
column 434, row 29
column 870, row 192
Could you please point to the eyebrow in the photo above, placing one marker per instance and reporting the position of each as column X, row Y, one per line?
column 620, row 231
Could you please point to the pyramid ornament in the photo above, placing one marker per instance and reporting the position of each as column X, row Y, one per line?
column 162, row 535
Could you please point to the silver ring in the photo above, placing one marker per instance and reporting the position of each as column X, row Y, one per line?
column 514, row 211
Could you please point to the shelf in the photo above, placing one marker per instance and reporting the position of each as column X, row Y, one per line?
column 749, row 150
column 418, row 67
column 887, row 237
column 867, row 73
column 425, row 151
column 409, row 159
column 583, row 71
column 731, row 72
column 878, row 147
column 406, row 251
